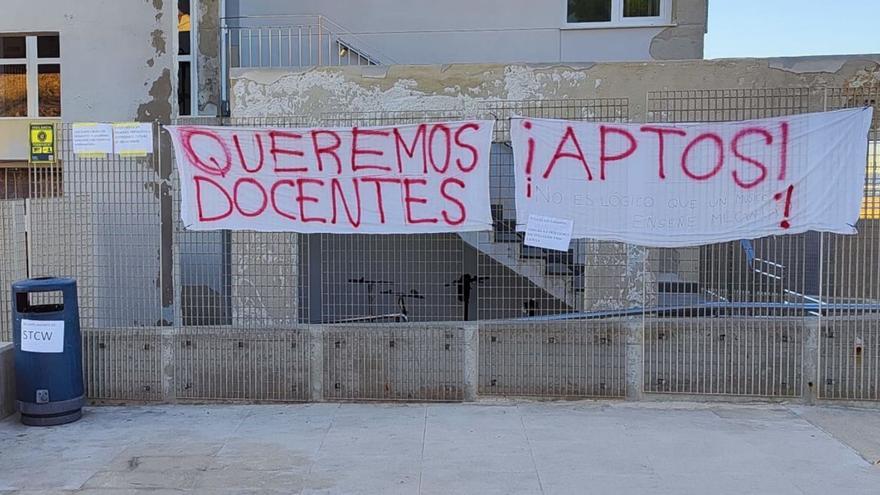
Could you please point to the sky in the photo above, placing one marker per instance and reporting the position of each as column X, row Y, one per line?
column 776, row 28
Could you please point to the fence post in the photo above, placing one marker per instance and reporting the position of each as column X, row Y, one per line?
column 168, row 365
column 471, row 361
column 635, row 373
column 316, row 363
column 810, row 361
column 163, row 159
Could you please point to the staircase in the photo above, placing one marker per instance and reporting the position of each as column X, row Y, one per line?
column 292, row 41
column 560, row 274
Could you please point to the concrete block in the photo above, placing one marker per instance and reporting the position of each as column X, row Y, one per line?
column 123, row 364
column 555, row 359
column 242, row 364
column 7, row 379
column 265, row 279
column 727, row 356
column 423, row 362
column 849, row 358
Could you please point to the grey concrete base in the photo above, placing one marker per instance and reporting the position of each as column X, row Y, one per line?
column 52, row 413
column 498, row 447
column 732, row 359
column 7, row 379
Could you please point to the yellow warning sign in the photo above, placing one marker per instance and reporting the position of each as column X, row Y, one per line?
column 42, row 143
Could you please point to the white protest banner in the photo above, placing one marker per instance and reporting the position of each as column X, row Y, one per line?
column 431, row 177
column 92, row 138
column 673, row 185
column 132, row 138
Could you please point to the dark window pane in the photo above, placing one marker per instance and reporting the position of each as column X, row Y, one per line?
column 641, row 8
column 183, row 86
column 589, row 10
column 13, row 91
column 47, row 46
column 12, row 47
column 183, row 43
column 49, row 80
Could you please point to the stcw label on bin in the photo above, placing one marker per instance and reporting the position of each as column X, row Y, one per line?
column 42, row 336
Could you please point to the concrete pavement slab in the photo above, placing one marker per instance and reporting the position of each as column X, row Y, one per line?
column 480, row 448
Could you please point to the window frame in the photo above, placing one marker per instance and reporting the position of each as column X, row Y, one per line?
column 32, row 63
column 191, row 58
column 619, row 21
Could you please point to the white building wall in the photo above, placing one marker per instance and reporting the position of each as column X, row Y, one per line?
column 467, row 31
column 116, row 60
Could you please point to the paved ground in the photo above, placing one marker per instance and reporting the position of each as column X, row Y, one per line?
column 483, row 448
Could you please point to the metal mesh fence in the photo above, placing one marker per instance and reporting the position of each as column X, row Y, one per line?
column 563, row 359
column 99, row 220
column 412, row 362
column 14, row 259
column 718, row 319
column 849, row 348
column 730, row 287
column 257, row 365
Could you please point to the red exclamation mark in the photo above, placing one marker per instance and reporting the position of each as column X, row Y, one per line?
column 529, row 160
column 778, row 196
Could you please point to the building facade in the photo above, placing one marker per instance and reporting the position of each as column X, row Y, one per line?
column 153, row 60
column 461, row 31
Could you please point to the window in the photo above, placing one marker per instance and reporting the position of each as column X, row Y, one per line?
column 186, row 67
column 604, row 13
column 30, row 75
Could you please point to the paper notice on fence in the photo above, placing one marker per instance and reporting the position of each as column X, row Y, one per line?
column 406, row 179
column 92, row 138
column 672, row 185
column 548, row 232
column 133, row 138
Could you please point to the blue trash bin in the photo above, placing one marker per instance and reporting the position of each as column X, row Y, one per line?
column 48, row 353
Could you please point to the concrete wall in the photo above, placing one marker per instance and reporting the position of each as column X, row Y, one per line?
column 7, row 379
column 463, row 31
column 776, row 358
column 116, row 59
column 463, row 88
column 13, row 266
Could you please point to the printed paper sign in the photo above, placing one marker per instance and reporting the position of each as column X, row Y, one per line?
column 672, row 185
column 132, row 138
column 42, row 336
column 431, row 177
column 92, row 138
column 548, row 232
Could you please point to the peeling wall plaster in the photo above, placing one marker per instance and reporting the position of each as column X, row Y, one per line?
column 464, row 87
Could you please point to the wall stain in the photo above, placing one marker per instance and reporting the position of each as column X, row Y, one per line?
column 158, row 42
column 159, row 107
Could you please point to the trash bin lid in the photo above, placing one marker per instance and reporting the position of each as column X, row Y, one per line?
column 43, row 284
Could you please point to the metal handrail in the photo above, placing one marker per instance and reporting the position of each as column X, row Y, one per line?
column 311, row 26
column 308, row 40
